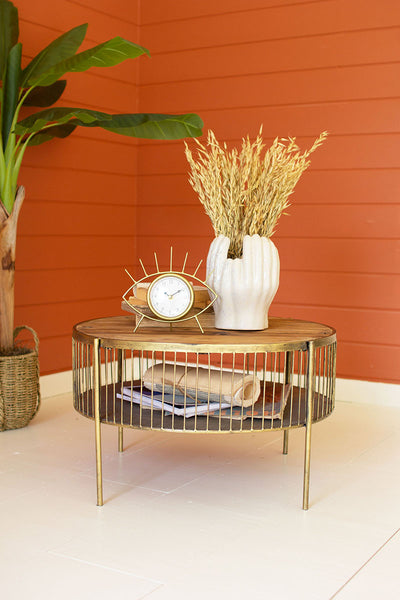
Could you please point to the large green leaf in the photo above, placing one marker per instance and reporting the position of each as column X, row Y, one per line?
column 58, row 115
column 59, row 131
column 10, row 90
column 152, row 126
column 60, row 49
column 108, row 54
column 9, row 31
column 46, row 96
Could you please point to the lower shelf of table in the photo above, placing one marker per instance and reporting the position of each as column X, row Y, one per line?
column 114, row 411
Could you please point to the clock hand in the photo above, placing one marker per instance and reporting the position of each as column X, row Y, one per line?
column 176, row 293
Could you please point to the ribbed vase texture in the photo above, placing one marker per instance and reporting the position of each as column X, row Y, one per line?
column 245, row 286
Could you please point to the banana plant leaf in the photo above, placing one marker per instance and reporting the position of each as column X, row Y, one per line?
column 46, row 95
column 107, row 54
column 60, row 49
column 151, row 126
column 11, row 90
column 58, row 131
column 9, row 32
column 57, row 116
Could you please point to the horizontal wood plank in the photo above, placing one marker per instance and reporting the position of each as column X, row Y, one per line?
column 334, row 50
column 339, row 289
column 340, row 151
column 367, row 362
column 276, row 89
column 347, row 13
column 160, row 11
column 342, row 221
column 103, row 151
column 358, row 186
column 77, row 219
column 70, row 285
column 259, row 21
column 73, row 185
column 360, row 325
column 58, row 18
column 75, row 251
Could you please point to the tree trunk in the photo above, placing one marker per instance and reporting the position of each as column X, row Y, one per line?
column 8, row 238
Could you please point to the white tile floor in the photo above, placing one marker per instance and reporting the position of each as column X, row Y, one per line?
column 200, row 516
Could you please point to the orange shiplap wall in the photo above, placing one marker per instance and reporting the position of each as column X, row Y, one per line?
column 297, row 67
column 76, row 228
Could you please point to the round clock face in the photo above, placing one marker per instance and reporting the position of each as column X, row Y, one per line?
column 170, row 296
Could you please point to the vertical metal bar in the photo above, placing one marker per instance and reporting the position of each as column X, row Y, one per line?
column 81, row 374
column 120, row 386
column 309, row 417
column 173, row 394
column 209, row 388
column 255, row 356
column 232, row 391
column 264, row 385
column 300, row 378
column 110, row 365
column 325, row 387
column 185, row 392
column 329, row 379
column 245, row 362
column 163, row 389
column 135, row 369
column 220, row 391
column 196, row 391
column 318, row 385
column 87, row 373
column 273, row 387
column 96, row 385
column 333, row 375
column 106, row 385
column 287, row 381
column 74, row 371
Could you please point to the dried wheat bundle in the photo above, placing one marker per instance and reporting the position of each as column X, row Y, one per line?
column 245, row 193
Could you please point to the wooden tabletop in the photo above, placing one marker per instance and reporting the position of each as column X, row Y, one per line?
column 282, row 334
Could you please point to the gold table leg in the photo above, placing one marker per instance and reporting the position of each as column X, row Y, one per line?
column 96, row 375
column 309, row 416
column 120, row 439
column 285, row 441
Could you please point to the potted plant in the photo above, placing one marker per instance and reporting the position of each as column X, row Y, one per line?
column 244, row 193
column 40, row 84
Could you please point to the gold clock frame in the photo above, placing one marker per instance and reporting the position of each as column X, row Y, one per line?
column 182, row 274
column 163, row 276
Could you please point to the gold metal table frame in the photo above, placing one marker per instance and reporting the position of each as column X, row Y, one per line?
column 292, row 355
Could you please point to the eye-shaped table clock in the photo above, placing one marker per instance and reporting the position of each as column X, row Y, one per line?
column 170, row 295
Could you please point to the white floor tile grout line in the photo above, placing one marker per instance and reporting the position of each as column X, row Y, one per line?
column 100, row 566
column 148, row 594
column 364, row 564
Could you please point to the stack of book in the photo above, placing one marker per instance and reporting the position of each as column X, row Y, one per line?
column 270, row 404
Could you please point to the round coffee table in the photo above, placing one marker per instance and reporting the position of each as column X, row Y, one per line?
column 291, row 366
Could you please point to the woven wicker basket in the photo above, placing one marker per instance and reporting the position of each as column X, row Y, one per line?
column 19, row 386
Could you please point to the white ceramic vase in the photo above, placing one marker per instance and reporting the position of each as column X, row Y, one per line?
column 245, row 286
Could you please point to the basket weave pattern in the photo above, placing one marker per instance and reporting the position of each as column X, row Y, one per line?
column 19, row 386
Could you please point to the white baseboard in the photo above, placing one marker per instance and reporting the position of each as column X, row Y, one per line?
column 55, row 384
column 368, row 392
column 347, row 390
